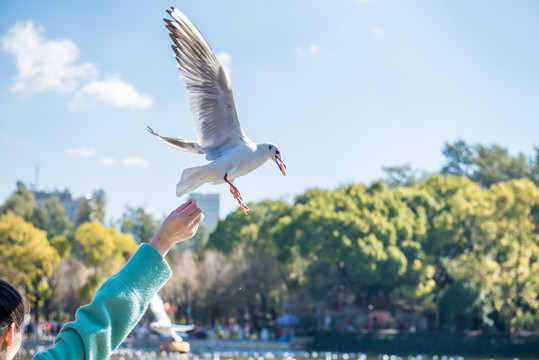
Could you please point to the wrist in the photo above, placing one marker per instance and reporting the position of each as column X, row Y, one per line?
column 161, row 246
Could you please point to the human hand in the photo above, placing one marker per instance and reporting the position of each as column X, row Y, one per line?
column 181, row 224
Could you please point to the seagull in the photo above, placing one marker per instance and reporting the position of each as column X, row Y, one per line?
column 212, row 109
column 162, row 323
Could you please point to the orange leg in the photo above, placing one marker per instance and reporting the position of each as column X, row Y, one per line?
column 236, row 193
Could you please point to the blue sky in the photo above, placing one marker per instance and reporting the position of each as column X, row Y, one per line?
column 344, row 87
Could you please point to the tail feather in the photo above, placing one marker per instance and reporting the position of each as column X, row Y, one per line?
column 191, row 179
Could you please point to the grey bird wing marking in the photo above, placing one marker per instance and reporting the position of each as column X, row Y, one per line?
column 178, row 143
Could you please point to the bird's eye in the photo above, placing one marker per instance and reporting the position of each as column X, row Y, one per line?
column 277, row 152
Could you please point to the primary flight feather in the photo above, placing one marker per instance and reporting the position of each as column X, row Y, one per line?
column 211, row 105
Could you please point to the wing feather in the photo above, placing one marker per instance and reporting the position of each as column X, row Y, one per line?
column 209, row 91
column 178, row 142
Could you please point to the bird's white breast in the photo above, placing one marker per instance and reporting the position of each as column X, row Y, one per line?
column 238, row 161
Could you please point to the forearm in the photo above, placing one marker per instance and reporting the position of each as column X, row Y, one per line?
column 101, row 326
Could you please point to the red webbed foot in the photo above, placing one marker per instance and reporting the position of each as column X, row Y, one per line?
column 236, row 193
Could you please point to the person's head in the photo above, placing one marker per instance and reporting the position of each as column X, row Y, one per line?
column 12, row 311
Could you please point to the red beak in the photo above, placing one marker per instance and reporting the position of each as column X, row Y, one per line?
column 281, row 165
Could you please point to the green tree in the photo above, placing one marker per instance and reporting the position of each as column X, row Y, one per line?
column 367, row 234
column 257, row 250
column 62, row 245
column 54, row 219
column 483, row 244
column 496, row 165
column 27, row 258
column 487, row 165
column 513, row 247
column 99, row 201
column 454, row 209
column 92, row 208
column 461, row 303
column 102, row 249
column 400, row 176
column 84, row 211
column 460, row 159
column 255, row 229
column 21, row 203
column 139, row 224
column 534, row 166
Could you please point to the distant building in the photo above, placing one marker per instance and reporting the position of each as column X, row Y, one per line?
column 70, row 204
column 209, row 203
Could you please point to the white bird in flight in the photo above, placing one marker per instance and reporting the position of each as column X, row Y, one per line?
column 162, row 323
column 211, row 105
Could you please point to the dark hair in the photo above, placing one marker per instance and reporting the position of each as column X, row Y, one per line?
column 12, row 309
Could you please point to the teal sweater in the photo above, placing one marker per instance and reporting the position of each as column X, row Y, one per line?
column 101, row 326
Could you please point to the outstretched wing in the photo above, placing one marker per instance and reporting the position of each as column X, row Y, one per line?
column 162, row 323
column 209, row 91
column 178, row 142
column 183, row 328
column 158, row 309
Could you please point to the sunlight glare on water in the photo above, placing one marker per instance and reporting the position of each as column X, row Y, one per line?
column 137, row 354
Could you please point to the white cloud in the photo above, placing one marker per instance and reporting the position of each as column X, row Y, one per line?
column 19, row 142
column 107, row 160
column 378, row 31
column 81, row 152
column 225, row 59
column 44, row 64
column 312, row 50
column 135, row 161
column 112, row 91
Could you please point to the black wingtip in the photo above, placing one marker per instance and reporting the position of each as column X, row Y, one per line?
column 171, row 28
column 150, row 130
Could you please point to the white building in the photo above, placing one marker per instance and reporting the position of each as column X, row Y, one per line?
column 209, row 203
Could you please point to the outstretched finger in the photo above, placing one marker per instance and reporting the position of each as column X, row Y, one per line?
column 183, row 206
column 190, row 208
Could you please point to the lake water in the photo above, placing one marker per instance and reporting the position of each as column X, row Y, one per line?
column 139, row 354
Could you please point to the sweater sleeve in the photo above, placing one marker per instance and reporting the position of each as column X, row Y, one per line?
column 101, row 326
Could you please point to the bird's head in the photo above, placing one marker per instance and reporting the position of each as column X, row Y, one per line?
column 273, row 152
